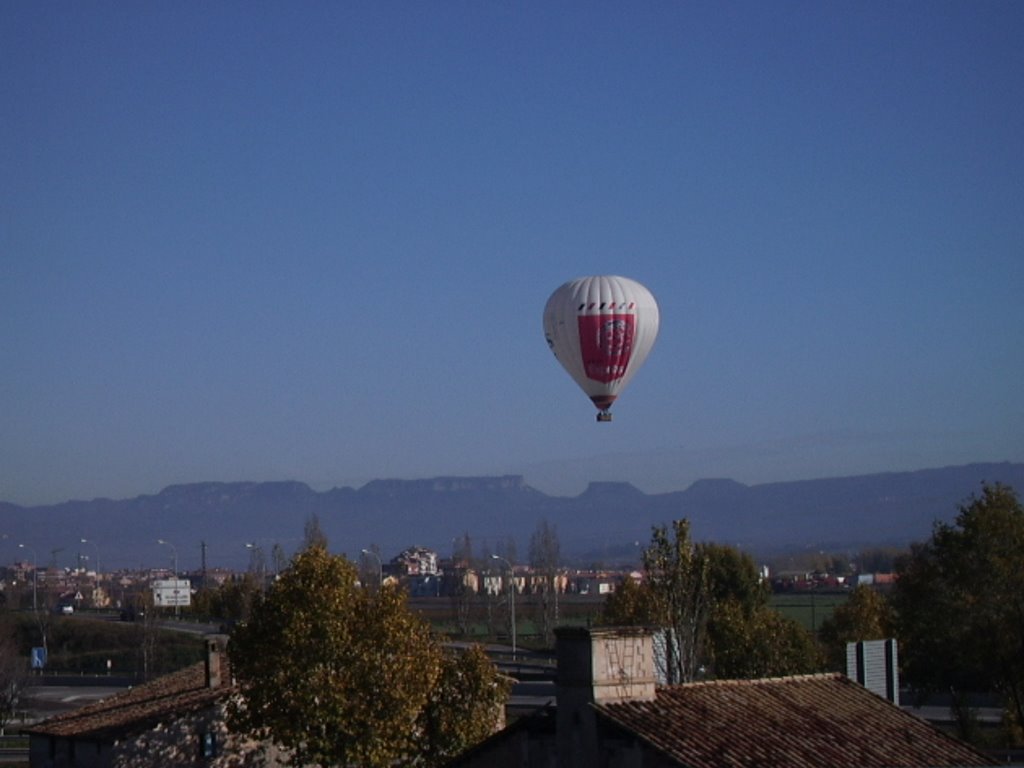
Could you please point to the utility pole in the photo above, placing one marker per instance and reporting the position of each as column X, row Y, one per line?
column 511, row 598
column 35, row 575
column 97, row 563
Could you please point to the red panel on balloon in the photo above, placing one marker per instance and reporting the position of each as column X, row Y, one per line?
column 606, row 343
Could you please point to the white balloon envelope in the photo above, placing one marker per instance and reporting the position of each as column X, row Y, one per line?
column 601, row 329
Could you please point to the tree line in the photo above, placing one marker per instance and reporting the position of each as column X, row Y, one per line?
column 339, row 673
column 956, row 608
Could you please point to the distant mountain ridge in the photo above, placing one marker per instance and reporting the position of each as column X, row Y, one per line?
column 849, row 512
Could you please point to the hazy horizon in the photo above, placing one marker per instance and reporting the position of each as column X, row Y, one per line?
column 566, row 482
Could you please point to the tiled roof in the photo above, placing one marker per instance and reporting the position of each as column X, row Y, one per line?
column 140, row 707
column 810, row 720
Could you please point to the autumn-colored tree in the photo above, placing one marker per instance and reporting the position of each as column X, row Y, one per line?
column 342, row 675
column 864, row 616
column 231, row 601
column 465, row 706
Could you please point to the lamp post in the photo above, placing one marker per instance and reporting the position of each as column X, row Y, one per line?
column 97, row 546
column 174, row 551
column 511, row 598
column 35, row 574
column 380, row 566
column 257, row 563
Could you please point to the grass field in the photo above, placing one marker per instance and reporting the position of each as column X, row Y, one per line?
column 809, row 609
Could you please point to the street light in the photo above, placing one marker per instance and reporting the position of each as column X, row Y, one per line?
column 90, row 541
column 511, row 598
column 35, row 574
column 380, row 566
column 177, row 608
column 174, row 552
column 257, row 563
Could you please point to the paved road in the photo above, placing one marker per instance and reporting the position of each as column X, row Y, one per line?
column 43, row 701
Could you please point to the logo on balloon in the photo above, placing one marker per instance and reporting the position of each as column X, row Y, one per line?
column 606, row 344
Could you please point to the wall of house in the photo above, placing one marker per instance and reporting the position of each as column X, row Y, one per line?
column 597, row 666
column 46, row 752
column 516, row 749
column 179, row 742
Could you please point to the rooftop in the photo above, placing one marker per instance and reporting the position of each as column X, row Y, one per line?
column 809, row 720
column 140, row 707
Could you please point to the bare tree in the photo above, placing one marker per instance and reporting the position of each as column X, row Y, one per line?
column 459, row 588
column 314, row 534
column 679, row 578
column 278, row 559
column 13, row 678
column 545, row 553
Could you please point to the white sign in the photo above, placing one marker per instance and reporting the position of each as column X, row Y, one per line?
column 168, row 593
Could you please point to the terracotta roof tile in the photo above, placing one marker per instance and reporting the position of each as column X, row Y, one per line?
column 810, row 720
column 140, row 707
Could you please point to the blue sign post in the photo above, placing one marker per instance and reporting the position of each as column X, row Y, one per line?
column 38, row 658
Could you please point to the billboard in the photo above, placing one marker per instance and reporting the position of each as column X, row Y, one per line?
column 171, row 593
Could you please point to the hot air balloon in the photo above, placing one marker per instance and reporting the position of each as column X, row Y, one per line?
column 601, row 329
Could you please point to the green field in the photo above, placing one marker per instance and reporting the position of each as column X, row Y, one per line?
column 809, row 609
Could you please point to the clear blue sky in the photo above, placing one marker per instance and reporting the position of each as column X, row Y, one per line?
column 313, row 241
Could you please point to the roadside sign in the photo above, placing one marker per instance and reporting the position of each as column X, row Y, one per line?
column 38, row 658
column 168, row 593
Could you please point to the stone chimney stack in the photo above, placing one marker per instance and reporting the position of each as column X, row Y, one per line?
column 213, row 679
column 597, row 666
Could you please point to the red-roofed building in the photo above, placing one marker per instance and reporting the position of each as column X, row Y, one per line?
column 175, row 720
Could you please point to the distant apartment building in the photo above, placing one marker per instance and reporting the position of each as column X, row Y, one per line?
column 415, row 561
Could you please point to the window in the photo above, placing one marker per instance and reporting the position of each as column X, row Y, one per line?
column 207, row 744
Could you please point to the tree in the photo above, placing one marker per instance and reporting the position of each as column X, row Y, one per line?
column 711, row 598
column 13, row 675
column 734, row 576
column 453, row 720
column 676, row 598
column 313, row 534
column 631, row 604
column 458, row 589
column 545, row 552
column 865, row 616
column 747, row 638
column 878, row 559
column 277, row 558
column 760, row 643
column 959, row 603
column 341, row 675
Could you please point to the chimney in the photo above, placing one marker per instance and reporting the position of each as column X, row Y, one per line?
column 601, row 665
column 212, row 664
column 873, row 664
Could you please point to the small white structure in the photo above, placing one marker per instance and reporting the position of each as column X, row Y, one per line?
column 874, row 664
